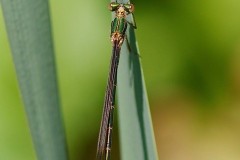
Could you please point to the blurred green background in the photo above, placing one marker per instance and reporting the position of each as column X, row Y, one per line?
column 190, row 52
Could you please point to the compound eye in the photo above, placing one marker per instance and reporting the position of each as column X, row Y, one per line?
column 129, row 8
column 113, row 6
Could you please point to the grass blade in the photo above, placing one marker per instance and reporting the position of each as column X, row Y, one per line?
column 29, row 32
column 135, row 125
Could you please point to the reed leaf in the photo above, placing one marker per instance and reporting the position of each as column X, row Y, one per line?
column 29, row 32
column 137, row 139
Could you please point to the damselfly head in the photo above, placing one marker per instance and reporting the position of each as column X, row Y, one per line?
column 121, row 12
column 115, row 6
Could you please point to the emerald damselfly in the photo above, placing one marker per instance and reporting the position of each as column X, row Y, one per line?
column 118, row 29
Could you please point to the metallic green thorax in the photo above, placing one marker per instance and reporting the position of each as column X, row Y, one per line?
column 119, row 25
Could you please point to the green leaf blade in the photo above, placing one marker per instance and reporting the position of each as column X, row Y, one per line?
column 137, row 139
column 29, row 32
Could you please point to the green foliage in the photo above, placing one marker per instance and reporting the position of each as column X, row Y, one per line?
column 29, row 31
column 137, row 139
column 190, row 56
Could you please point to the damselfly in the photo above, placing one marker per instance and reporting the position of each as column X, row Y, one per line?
column 118, row 29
